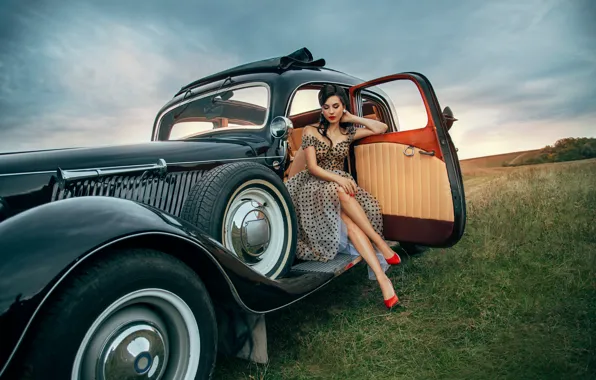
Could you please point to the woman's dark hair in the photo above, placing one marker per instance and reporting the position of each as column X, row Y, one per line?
column 325, row 93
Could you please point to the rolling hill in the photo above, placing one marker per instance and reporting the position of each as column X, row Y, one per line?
column 474, row 165
column 566, row 149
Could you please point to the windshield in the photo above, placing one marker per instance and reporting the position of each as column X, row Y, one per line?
column 234, row 108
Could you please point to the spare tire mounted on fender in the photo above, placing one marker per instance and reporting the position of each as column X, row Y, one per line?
column 247, row 208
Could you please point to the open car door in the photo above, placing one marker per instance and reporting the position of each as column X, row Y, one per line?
column 415, row 173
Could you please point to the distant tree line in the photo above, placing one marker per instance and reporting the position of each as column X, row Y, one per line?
column 567, row 149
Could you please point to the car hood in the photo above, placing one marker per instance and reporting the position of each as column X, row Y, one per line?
column 119, row 155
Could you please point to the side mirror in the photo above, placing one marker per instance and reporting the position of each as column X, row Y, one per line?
column 280, row 126
column 448, row 116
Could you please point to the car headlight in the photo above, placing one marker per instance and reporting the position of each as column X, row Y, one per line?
column 280, row 126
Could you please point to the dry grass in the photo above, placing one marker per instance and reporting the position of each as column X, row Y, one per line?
column 515, row 299
column 497, row 161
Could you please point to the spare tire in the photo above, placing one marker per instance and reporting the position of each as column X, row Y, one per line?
column 246, row 207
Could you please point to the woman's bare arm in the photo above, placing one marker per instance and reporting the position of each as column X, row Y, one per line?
column 372, row 127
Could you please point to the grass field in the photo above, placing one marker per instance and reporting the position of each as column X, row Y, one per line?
column 515, row 299
column 497, row 160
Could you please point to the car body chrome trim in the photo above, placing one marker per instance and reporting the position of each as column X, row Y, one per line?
column 224, row 159
column 67, row 176
column 143, row 165
column 27, row 173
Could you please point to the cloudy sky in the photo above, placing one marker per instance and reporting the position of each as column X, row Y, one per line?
column 518, row 75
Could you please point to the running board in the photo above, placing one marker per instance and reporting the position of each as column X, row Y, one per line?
column 254, row 348
column 341, row 263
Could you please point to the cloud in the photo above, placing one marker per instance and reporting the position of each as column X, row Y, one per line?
column 100, row 82
column 518, row 136
column 89, row 73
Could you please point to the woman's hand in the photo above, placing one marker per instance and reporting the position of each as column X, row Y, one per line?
column 347, row 117
column 374, row 127
column 348, row 185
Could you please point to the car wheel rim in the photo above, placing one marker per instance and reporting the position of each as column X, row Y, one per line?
column 254, row 228
column 147, row 334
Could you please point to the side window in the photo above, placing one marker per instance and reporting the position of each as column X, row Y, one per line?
column 407, row 105
column 244, row 107
column 373, row 108
column 304, row 110
column 306, row 104
column 305, row 100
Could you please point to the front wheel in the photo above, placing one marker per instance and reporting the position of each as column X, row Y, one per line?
column 246, row 207
column 138, row 314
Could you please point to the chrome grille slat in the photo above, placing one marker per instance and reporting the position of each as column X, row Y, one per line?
column 170, row 198
column 158, row 194
column 175, row 194
column 167, row 193
column 142, row 192
column 151, row 193
column 130, row 188
column 118, row 187
column 180, row 192
column 186, row 188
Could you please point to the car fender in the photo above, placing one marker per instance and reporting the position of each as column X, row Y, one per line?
column 41, row 246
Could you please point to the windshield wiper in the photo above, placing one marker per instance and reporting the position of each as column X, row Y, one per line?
column 186, row 94
column 217, row 93
column 213, row 99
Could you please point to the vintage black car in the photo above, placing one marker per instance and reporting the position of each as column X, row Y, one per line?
column 145, row 260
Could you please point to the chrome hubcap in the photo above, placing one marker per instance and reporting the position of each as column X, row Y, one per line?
column 254, row 227
column 250, row 230
column 136, row 351
column 147, row 334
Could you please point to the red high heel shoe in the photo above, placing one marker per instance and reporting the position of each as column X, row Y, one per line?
column 395, row 260
column 391, row 302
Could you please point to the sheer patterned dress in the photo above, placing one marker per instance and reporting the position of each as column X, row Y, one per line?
column 322, row 233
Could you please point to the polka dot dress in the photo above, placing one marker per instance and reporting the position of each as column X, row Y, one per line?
column 317, row 203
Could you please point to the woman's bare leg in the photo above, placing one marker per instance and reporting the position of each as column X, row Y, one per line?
column 362, row 244
column 356, row 213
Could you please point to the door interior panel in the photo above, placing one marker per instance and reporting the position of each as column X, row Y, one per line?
column 423, row 138
column 413, row 191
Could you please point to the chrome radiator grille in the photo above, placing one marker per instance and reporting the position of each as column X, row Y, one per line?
column 167, row 194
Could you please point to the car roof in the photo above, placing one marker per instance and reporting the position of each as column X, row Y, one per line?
column 300, row 62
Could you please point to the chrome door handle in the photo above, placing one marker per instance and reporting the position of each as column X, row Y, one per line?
column 412, row 151
column 411, row 148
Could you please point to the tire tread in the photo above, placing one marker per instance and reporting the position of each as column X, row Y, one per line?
column 208, row 193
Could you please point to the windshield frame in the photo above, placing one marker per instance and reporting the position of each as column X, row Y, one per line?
column 213, row 92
